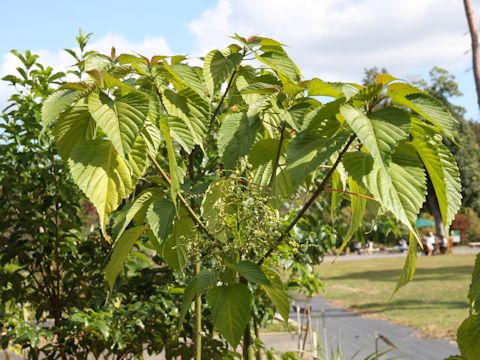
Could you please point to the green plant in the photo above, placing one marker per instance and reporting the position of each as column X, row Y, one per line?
column 53, row 294
column 232, row 144
column 468, row 334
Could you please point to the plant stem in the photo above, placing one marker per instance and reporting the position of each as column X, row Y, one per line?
column 307, row 205
column 198, row 313
column 247, row 335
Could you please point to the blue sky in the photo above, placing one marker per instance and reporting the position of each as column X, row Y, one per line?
column 331, row 39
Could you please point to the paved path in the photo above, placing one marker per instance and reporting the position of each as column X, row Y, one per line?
column 457, row 250
column 355, row 334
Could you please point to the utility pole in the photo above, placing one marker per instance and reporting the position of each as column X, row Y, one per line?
column 472, row 26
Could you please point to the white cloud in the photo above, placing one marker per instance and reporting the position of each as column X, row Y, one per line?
column 337, row 39
column 61, row 60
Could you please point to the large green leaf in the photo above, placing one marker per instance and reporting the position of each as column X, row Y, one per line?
column 151, row 134
column 236, row 136
column 59, row 102
column 252, row 272
column 230, row 306
column 468, row 338
column 379, row 132
column 279, row 61
column 189, row 126
column 172, row 160
column 310, row 149
column 425, row 105
column 399, row 186
column 160, row 216
column 130, row 211
column 474, row 292
column 212, row 206
column 184, row 76
column 173, row 250
column 443, row 172
column 121, row 249
column 317, row 87
column 102, row 175
column 73, row 127
column 121, row 119
column 410, row 264
column 262, row 157
column 197, row 285
column 218, row 68
column 137, row 158
column 277, row 294
column 358, row 205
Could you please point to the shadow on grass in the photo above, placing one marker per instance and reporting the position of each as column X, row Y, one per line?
column 407, row 305
column 440, row 274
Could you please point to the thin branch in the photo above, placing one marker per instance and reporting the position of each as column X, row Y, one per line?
column 217, row 109
column 196, row 219
column 307, row 205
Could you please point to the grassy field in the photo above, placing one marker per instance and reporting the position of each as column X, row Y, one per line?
column 434, row 302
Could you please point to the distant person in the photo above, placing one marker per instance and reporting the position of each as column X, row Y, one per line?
column 443, row 244
column 357, row 247
column 402, row 245
column 430, row 243
column 370, row 247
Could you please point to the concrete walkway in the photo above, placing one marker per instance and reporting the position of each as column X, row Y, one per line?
column 355, row 334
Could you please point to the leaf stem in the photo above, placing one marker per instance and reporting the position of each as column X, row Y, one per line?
column 306, row 206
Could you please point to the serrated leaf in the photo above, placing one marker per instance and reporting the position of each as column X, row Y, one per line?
column 317, row 87
column 379, row 132
column 358, row 205
column 186, row 76
column 230, row 306
column 160, row 216
column 190, row 122
column 173, row 250
column 102, row 175
column 172, row 160
column 137, row 158
column 425, row 105
column 399, row 186
column 121, row 119
column 211, row 205
column 410, row 265
column 121, row 249
column 279, row 61
column 444, row 174
column 217, row 68
column 74, row 126
column 58, row 102
column 277, row 294
column 252, row 272
column 236, row 136
column 468, row 338
column 140, row 204
column 197, row 285
column 310, row 149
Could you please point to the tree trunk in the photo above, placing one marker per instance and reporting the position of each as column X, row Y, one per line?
column 472, row 27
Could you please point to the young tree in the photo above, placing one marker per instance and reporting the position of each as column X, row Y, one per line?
column 232, row 144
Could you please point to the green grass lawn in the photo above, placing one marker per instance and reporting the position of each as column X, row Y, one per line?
column 434, row 302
